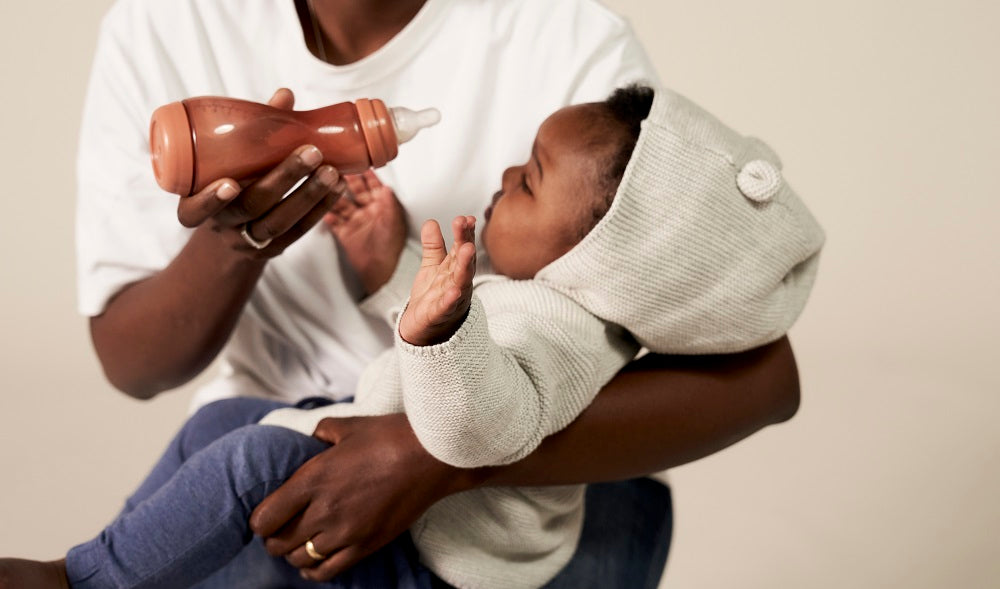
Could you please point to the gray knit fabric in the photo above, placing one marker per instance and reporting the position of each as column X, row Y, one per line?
column 705, row 249
column 525, row 362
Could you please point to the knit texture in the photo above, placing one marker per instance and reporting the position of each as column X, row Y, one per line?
column 493, row 391
column 490, row 395
column 705, row 249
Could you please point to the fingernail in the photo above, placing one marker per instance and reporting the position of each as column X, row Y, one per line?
column 311, row 156
column 327, row 175
column 226, row 191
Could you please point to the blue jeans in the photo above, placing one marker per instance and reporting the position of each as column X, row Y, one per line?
column 186, row 525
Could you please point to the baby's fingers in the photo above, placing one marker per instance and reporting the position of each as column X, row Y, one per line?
column 464, row 230
column 372, row 179
column 464, row 268
column 433, row 244
column 359, row 189
column 445, row 304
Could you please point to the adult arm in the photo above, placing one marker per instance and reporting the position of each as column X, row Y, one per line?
column 661, row 412
column 658, row 413
column 160, row 332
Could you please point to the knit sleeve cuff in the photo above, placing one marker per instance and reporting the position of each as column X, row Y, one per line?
column 473, row 326
column 387, row 302
column 451, row 398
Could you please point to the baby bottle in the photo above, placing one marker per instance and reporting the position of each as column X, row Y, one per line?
column 198, row 140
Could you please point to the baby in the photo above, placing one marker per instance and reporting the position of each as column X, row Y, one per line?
column 672, row 233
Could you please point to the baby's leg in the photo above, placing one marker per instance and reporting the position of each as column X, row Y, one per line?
column 196, row 521
column 208, row 424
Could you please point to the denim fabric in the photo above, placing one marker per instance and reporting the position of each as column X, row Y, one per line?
column 186, row 525
column 626, row 536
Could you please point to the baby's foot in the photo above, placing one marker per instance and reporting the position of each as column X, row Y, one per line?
column 17, row 573
column 442, row 290
column 370, row 228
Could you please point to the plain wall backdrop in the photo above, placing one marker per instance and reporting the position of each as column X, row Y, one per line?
column 885, row 114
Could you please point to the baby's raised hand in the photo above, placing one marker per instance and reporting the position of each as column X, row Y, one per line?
column 370, row 227
column 442, row 290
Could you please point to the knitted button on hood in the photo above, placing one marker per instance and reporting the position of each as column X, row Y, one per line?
column 705, row 249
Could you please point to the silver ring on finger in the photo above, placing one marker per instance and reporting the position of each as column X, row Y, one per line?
column 245, row 234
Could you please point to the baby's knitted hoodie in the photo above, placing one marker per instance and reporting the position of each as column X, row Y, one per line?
column 705, row 249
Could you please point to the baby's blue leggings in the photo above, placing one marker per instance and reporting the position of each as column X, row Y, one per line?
column 186, row 525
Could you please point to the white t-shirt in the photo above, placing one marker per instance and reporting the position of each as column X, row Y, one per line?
column 495, row 69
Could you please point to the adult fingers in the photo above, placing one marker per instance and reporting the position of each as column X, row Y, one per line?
column 283, row 98
column 308, row 220
column 259, row 197
column 333, row 429
column 321, row 543
column 297, row 205
column 292, row 535
column 337, row 563
column 196, row 209
column 282, row 506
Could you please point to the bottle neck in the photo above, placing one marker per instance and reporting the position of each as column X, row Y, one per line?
column 379, row 130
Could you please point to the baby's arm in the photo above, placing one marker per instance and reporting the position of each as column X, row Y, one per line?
column 481, row 394
column 370, row 229
column 430, row 312
column 442, row 290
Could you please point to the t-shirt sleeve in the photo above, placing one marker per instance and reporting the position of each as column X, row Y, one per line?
column 126, row 226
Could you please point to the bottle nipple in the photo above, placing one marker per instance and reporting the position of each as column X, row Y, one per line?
column 409, row 122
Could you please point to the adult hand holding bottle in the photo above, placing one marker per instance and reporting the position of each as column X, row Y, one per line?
column 238, row 228
column 254, row 218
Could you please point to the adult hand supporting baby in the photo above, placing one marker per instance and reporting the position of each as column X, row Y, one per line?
column 661, row 411
column 370, row 487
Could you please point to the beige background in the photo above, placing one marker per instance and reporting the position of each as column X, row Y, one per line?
column 886, row 115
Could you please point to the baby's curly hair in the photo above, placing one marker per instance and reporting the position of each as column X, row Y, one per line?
column 624, row 111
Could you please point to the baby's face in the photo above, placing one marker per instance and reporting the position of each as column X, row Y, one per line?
column 543, row 206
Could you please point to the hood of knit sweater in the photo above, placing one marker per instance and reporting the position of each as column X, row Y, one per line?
column 705, row 248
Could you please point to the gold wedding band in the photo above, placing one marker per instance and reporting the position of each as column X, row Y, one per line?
column 245, row 232
column 313, row 553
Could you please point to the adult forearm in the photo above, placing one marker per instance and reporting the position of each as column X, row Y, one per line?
column 662, row 412
column 159, row 333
